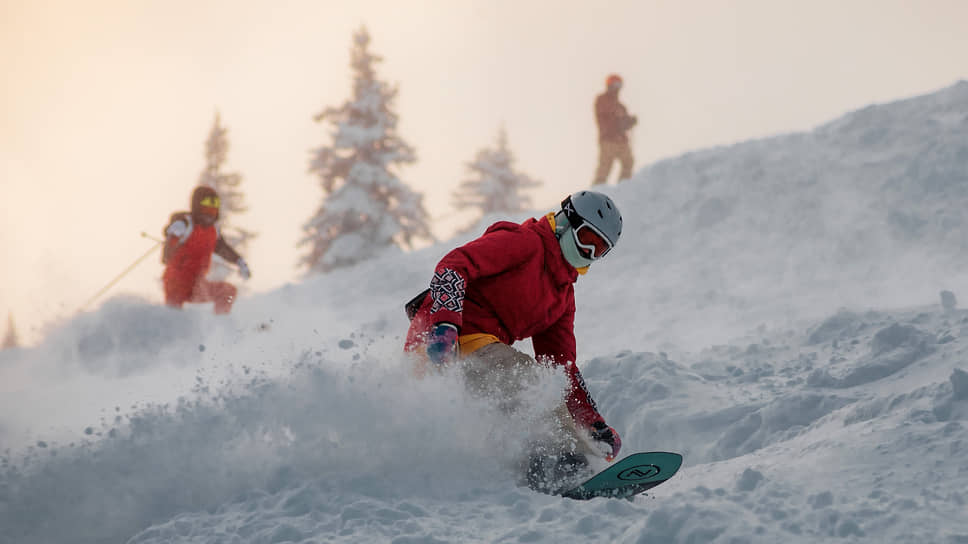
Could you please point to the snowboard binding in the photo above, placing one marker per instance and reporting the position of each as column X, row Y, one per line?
column 554, row 473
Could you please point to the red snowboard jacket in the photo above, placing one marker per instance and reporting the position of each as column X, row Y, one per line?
column 514, row 283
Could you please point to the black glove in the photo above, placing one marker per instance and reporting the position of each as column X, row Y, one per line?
column 607, row 436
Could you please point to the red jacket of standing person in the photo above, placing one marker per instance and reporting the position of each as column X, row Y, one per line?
column 613, row 119
column 190, row 240
column 517, row 282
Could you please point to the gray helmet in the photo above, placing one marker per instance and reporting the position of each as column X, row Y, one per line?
column 587, row 213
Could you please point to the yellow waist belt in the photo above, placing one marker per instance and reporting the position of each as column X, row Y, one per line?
column 469, row 343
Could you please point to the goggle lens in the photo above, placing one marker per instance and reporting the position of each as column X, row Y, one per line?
column 211, row 202
column 591, row 243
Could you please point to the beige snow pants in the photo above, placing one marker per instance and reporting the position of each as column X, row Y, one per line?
column 501, row 373
column 608, row 151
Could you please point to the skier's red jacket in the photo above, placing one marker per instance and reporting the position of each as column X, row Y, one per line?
column 514, row 283
column 190, row 248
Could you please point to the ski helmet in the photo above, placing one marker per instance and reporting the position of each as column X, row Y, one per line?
column 613, row 79
column 588, row 227
column 205, row 203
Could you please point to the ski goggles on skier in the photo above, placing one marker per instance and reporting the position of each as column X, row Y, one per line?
column 592, row 244
column 211, row 202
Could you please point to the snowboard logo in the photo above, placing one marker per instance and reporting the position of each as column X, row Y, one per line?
column 639, row 472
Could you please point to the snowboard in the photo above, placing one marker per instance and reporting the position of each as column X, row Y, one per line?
column 630, row 476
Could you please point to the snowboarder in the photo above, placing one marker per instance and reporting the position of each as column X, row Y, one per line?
column 614, row 122
column 190, row 240
column 512, row 283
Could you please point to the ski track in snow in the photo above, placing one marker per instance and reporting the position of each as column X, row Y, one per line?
column 786, row 339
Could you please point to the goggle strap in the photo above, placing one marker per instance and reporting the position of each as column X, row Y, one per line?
column 571, row 214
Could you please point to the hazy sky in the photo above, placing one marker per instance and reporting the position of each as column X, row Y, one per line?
column 106, row 104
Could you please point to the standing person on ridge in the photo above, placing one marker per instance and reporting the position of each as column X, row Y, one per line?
column 512, row 283
column 614, row 122
column 190, row 240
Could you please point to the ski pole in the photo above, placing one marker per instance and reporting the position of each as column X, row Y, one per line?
column 152, row 238
column 130, row 267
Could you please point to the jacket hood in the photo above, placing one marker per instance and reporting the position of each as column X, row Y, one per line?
column 561, row 270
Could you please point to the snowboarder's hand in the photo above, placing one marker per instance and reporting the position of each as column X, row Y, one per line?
column 442, row 344
column 607, row 439
column 243, row 268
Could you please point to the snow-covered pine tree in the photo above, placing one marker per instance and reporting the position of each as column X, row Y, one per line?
column 227, row 186
column 11, row 340
column 495, row 187
column 366, row 207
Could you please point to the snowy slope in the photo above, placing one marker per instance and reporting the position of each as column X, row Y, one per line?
column 772, row 313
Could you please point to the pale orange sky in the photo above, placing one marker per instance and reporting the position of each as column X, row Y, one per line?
column 106, row 104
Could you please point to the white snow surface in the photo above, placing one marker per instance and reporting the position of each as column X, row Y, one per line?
column 771, row 313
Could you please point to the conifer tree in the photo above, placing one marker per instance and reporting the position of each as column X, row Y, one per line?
column 226, row 184
column 11, row 340
column 494, row 185
column 366, row 206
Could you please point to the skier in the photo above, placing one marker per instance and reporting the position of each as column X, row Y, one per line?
column 190, row 240
column 614, row 122
column 512, row 283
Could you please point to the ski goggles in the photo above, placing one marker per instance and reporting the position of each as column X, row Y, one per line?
column 211, row 202
column 592, row 244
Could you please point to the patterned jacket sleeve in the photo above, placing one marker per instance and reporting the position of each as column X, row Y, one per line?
column 557, row 345
column 492, row 253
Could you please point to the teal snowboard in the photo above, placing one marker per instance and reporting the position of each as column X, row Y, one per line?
column 630, row 476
